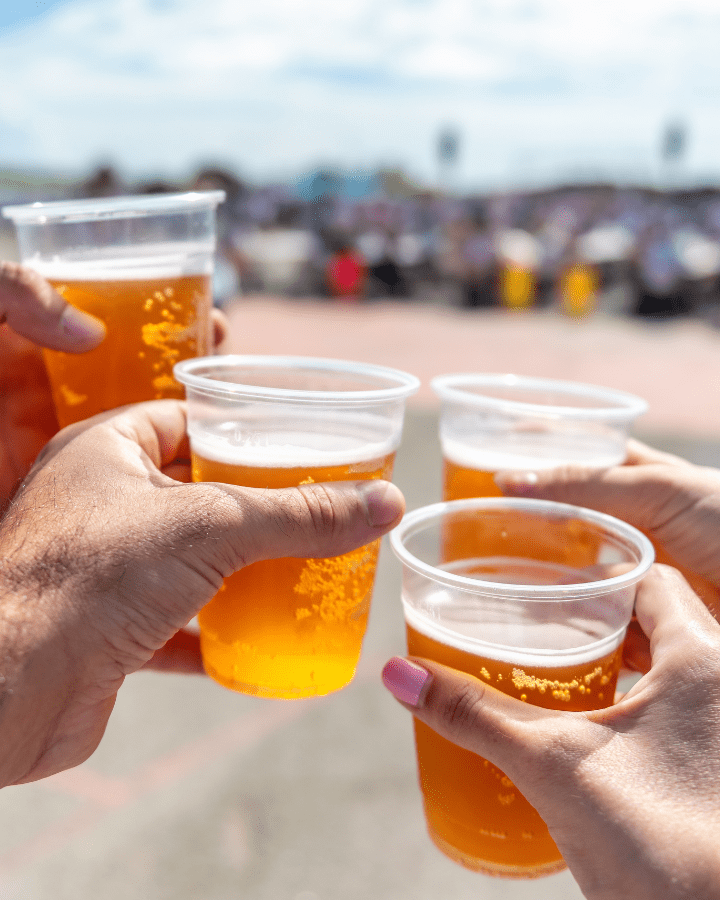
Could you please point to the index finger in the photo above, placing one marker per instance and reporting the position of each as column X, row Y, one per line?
column 34, row 309
column 158, row 427
column 639, row 454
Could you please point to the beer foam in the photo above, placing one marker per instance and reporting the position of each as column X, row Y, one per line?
column 488, row 639
column 483, row 457
column 162, row 261
column 288, row 449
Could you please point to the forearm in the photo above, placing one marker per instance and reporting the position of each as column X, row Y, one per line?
column 35, row 681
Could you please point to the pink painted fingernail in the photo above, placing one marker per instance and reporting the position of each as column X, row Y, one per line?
column 405, row 680
column 517, row 482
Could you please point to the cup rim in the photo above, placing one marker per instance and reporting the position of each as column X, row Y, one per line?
column 406, row 384
column 621, row 406
column 415, row 520
column 123, row 207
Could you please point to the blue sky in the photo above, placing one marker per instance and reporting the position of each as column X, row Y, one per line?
column 537, row 89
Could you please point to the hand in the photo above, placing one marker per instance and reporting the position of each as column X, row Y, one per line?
column 676, row 503
column 629, row 793
column 106, row 557
column 37, row 316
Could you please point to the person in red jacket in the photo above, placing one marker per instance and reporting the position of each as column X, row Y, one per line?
column 346, row 274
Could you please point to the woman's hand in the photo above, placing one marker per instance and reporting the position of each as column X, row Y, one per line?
column 676, row 503
column 629, row 793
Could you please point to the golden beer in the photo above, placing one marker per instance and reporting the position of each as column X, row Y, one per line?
column 468, row 472
column 288, row 628
column 474, row 813
column 567, row 541
column 533, row 600
column 152, row 323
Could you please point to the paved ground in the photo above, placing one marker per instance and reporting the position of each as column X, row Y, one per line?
column 200, row 794
column 674, row 366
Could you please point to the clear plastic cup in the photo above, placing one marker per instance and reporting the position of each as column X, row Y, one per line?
column 291, row 628
column 533, row 598
column 141, row 264
column 493, row 422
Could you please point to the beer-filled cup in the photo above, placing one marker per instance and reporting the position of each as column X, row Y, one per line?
column 141, row 264
column 291, row 628
column 537, row 606
column 490, row 423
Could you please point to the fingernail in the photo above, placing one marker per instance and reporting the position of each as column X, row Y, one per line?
column 405, row 680
column 516, row 482
column 83, row 329
column 383, row 501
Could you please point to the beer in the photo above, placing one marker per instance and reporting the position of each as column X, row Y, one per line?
column 289, row 628
column 469, row 468
column 469, row 471
column 474, row 813
column 567, row 540
column 153, row 321
column 536, row 604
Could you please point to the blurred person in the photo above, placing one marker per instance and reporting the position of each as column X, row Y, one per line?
column 518, row 256
column 578, row 285
column 346, row 273
column 229, row 261
column 658, row 275
column 107, row 553
column 480, row 269
column 386, row 274
column 104, row 181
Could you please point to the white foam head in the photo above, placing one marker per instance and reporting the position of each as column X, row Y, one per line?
column 286, row 449
column 156, row 261
column 494, row 455
column 490, row 640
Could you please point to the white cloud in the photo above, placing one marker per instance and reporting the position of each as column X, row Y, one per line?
column 279, row 84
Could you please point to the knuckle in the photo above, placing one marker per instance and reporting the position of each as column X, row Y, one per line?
column 463, row 710
column 14, row 283
column 321, row 508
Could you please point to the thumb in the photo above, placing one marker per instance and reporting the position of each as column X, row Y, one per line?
column 229, row 526
column 235, row 526
column 36, row 311
column 509, row 733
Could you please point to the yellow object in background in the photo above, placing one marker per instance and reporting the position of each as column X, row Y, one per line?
column 579, row 286
column 517, row 286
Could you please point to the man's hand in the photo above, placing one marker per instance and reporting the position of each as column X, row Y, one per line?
column 629, row 793
column 106, row 557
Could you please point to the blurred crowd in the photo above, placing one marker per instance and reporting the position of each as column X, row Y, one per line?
column 578, row 248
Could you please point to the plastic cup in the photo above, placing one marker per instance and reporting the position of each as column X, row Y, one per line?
column 143, row 265
column 291, row 628
column 493, row 422
column 536, row 603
